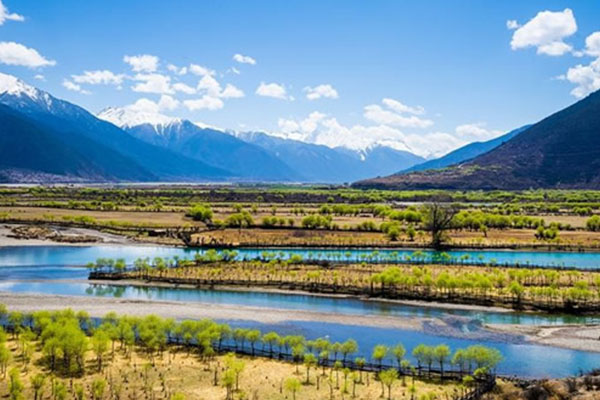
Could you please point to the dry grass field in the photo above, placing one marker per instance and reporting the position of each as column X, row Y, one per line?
column 179, row 375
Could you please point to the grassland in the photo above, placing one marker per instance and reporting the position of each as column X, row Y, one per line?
column 314, row 216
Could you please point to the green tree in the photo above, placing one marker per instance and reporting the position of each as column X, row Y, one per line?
column 310, row 360
column 15, row 385
column 388, row 377
column 379, row 353
column 292, row 385
column 37, row 384
column 98, row 388
column 399, row 351
column 441, row 354
column 100, row 344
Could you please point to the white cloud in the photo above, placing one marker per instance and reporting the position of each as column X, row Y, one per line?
column 183, row 88
column 153, row 83
column 512, row 24
column 103, row 77
column 206, row 102
column 235, row 70
column 476, row 132
column 321, row 91
column 231, row 92
column 175, row 69
column 200, row 70
column 244, row 59
column 399, row 107
column 393, row 115
column 74, row 87
column 40, row 77
column 273, row 90
column 144, row 105
column 319, row 128
column 586, row 77
column 323, row 129
column 210, row 85
column 12, row 53
column 546, row 31
column 6, row 16
column 592, row 44
column 142, row 63
column 167, row 102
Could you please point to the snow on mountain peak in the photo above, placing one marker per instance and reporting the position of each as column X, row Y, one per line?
column 127, row 117
column 16, row 87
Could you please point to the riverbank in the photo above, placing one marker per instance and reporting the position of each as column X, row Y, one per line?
column 574, row 337
column 8, row 237
column 585, row 337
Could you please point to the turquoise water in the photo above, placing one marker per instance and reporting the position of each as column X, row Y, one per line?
column 63, row 255
column 322, row 304
column 520, row 358
column 37, row 269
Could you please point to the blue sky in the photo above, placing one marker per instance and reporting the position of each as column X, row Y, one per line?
column 451, row 72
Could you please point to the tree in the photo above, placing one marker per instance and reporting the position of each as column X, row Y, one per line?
column 424, row 355
column 79, row 391
column 441, row 353
column 292, row 385
column 297, row 354
column 60, row 392
column 379, row 353
column 98, row 388
column 271, row 338
column 200, row 212
column 236, row 366
column 15, row 386
column 253, row 336
column 399, row 351
column 388, row 377
column 37, row 383
column 348, row 347
column 437, row 219
column 5, row 357
column 228, row 381
column 100, row 343
column 309, row 361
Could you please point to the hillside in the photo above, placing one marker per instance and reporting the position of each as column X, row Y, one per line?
column 120, row 155
column 32, row 152
column 561, row 151
column 465, row 153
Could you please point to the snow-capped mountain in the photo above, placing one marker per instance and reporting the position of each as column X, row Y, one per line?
column 61, row 141
column 113, row 154
column 319, row 163
column 125, row 117
column 212, row 146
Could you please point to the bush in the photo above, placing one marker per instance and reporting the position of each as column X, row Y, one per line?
column 200, row 212
column 593, row 224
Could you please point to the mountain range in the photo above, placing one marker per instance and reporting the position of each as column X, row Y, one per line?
column 61, row 142
column 560, row 151
column 45, row 140
column 101, row 151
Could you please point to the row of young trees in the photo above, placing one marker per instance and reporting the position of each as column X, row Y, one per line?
column 66, row 338
column 543, row 287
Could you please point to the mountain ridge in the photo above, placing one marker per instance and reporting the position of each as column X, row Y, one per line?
column 465, row 152
column 562, row 151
